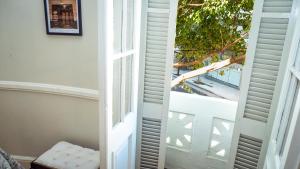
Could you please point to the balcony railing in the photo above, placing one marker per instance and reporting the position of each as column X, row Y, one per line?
column 199, row 131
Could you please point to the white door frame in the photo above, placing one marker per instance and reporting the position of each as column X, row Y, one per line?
column 111, row 137
column 273, row 159
column 105, row 48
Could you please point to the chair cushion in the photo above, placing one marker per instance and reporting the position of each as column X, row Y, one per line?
column 65, row 155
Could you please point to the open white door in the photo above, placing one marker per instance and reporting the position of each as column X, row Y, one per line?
column 157, row 49
column 118, row 76
column 266, row 61
column 287, row 116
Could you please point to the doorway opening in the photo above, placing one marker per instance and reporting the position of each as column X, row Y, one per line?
column 210, row 48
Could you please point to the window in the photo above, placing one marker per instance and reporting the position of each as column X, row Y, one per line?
column 118, row 21
column 289, row 109
column 123, row 58
column 287, row 114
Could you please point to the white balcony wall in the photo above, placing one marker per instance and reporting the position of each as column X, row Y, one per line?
column 31, row 122
column 199, row 131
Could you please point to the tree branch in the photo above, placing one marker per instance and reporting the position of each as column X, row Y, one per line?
column 234, row 42
column 195, row 5
column 209, row 68
column 191, row 5
column 182, row 64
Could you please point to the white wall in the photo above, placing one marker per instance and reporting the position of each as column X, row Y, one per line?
column 32, row 122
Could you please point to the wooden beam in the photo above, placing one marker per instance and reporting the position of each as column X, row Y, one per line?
column 209, row 68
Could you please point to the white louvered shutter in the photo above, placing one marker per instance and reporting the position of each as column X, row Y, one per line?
column 261, row 83
column 157, row 43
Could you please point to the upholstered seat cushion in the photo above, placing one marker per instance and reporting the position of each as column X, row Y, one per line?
column 65, row 155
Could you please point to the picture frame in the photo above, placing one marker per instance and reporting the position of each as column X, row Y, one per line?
column 63, row 17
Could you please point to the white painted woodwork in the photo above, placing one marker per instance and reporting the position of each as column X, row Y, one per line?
column 157, row 43
column 199, row 131
column 105, row 69
column 282, row 152
column 262, row 78
column 118, row 141
column 50, row 89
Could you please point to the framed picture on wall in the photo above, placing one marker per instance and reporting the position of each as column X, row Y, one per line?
column 63, row 17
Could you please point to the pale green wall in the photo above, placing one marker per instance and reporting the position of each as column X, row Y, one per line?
column 30, row 123
column 28, row 54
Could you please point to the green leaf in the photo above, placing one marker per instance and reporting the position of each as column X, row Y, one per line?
column 209, row 27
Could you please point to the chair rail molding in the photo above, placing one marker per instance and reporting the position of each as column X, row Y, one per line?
column 53, row 89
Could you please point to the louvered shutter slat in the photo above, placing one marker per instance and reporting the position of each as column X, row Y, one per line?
column 156, row 42
column 266, row 72
column 262, row 89
column 248, row 152
column 159, row 4
column 161, row 39
column 251, row 106
column 156, row 50
column 262, row 81
column 269, row 36
column 150, row 143
column 265, row 40
column 267, row 56
column 264, row 76
column 268, row 52
column 260, row 105
column 277, row 6
column 243, row 153
column 267, row 62
column 260, row 86
column 269, row 46
column 266, row 66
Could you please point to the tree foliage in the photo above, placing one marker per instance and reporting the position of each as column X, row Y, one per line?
column 212, row 28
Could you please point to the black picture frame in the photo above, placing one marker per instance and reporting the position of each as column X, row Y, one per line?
column 63, row 21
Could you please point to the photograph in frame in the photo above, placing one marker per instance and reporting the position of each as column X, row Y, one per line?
column 63, row 17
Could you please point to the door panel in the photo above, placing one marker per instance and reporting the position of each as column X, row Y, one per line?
column 263, row 73
column 280, row 142
column 117, row 79
column 157, row 43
